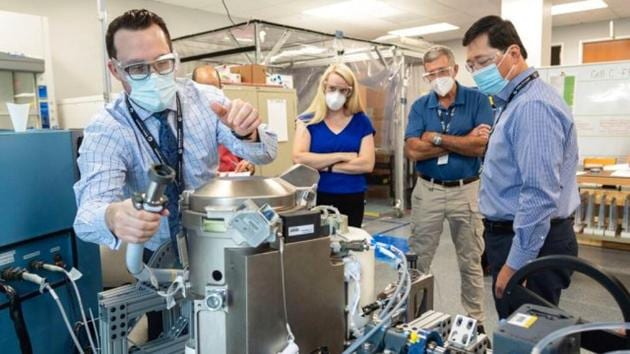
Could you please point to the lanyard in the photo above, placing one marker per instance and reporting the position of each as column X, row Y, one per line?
column 156, row 148
column 450, row 113
column 513, row 94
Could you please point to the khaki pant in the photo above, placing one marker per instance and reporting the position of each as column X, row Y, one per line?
column 431, row 204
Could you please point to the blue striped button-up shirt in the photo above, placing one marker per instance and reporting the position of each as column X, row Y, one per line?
column 114, row 157
column 529, row 170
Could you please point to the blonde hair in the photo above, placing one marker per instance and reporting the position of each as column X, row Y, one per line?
column 318, row 107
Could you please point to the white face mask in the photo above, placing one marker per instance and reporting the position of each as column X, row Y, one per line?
column 335, row 100
column 442, row 85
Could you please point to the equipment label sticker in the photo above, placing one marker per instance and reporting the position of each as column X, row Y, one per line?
column 32, row 255
column 523, row 320
column 301, row 230
column 7, row 258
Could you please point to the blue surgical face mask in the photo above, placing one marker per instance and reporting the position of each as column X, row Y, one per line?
column 155, row 93
column 489, row 79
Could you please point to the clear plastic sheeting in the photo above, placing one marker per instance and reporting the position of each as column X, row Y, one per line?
column 390, row 76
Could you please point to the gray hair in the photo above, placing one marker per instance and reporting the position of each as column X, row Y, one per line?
column 437, row 51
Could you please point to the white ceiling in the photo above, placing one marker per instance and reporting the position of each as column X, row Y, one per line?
column 462, row 13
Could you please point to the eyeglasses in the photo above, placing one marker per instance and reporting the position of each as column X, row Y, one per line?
column 481, row 62
column 346, row 91
column 163, row 65
column 430, row 76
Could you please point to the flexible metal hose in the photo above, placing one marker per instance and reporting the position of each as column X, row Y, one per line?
column 15, row 312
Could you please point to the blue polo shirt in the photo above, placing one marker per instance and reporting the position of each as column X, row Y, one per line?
column 324, row 141
column 470, row 109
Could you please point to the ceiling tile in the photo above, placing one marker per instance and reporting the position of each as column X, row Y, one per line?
column 413, row 13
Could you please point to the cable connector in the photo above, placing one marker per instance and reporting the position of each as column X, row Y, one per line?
column 12, row 274
column 35, row 279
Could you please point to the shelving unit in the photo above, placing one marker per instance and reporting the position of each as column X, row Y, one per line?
column 612, row 186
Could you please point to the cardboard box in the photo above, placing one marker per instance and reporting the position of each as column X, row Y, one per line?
column 372, row 98
column 230, row 78
column 251, row 73
column 382, row 127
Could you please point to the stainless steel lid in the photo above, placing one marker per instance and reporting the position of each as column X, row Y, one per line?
column 233, row 191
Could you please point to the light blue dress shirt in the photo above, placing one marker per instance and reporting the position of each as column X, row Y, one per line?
column 529, row 170
column 114, row 157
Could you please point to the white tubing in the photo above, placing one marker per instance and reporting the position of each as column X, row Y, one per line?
column 81, row 308
column 54, row 268
column 587, row 327
column 55, row 297
column 98, row 341
column 144, row 273
column 405, row 278
column 133, row 259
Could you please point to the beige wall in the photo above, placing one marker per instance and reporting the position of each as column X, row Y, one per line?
column 75, row 36
column 569, row 36
column 463, row 76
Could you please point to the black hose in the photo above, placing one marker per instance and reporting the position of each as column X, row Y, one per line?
column 15, row 312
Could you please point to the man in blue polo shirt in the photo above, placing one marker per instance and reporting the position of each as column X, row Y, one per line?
column 447, row 133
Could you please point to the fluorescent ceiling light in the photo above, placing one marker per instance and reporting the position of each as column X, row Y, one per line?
column 578, row 6
column 354, row 9
column 422, row 30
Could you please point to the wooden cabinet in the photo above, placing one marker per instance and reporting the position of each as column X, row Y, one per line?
column 261, row 97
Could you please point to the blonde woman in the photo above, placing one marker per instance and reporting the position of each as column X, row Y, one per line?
column 335, row 137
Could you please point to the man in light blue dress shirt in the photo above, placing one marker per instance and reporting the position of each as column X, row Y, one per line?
column 115, row 156
column 528, row 185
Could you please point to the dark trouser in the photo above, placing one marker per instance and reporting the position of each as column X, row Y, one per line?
column 154, row 318
column 352, row 205
column 548, row 284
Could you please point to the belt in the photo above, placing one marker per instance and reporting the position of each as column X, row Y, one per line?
column 508, row 225
column 455, row 183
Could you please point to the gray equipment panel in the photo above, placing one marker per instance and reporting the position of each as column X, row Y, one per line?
column 315, row 298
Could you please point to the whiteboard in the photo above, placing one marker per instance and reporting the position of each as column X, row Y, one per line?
column 599, row 98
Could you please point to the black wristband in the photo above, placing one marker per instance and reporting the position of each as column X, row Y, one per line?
column 243, row 137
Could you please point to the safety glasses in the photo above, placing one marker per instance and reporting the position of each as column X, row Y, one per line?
column 346, row 91
column 432, row 75
column 163, row 65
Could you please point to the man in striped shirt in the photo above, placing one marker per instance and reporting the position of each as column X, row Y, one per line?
column 528, row 185
column 116, row 155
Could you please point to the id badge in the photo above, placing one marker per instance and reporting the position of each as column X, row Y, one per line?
column 442, row 160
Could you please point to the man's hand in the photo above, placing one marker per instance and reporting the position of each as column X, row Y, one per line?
column 132, row 225
column 428, row 137
column 482, row 130
column 503, row 278
column 245, row 166
column 238, row 115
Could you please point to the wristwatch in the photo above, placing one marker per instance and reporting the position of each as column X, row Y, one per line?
column 437, row 139
column 242, row 137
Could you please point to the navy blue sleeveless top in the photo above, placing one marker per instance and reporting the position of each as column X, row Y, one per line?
column 324, row 141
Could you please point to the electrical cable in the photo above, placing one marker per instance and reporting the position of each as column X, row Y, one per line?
column 227, row 11
column 82, row 309
column 58, row 269
column 354, row 274
column 15, row 312
column 98, row 341
column 402, row 264
column 386, row 319
column 587, row 327
column 55, row 297
column 284, row 289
